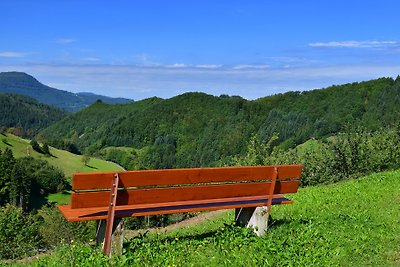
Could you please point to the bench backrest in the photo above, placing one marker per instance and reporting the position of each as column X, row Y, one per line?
column 174, row 185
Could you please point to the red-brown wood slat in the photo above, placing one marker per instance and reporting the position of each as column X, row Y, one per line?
column 171, row 194
column 89, row 181
column 100, row 213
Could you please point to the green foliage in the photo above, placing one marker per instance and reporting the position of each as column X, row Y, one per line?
column 345, row 156
column 45, row 149
column 7, row 162
column 26, row 114
column 24, row 234
column 26, row 178
column 54, row 229
column 18, row 233
column 85, row 159
column 258, row 152
column 35, row 146
column 198, row 130
column 76, row 254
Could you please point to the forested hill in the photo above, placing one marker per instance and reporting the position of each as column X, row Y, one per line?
column 26, row 115
column 24, row 84
column 195, row 129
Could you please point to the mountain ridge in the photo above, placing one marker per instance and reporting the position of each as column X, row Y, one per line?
column 25, row 84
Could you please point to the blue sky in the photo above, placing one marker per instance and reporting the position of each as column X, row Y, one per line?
column 139, row 49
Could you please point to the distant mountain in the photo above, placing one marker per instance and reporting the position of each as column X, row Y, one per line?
column 24, row 84
column 26, row 115
column 195, row 129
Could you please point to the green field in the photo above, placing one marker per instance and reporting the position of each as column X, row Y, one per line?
column 68, row 162
column 352, row 223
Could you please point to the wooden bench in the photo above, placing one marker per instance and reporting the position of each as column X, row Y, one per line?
column 108, row 195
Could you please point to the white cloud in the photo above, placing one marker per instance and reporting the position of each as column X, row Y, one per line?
column 177, row 65
column 259, row 67
column 65, row 41
column 12, row 54
column 357, row 44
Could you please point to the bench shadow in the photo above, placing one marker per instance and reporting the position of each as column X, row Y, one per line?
column 7, row 143
column 170, row 239
column 275, row 223
column 92, row 167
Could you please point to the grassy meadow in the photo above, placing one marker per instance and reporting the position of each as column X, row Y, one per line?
column 351, row 223
column 68, row 162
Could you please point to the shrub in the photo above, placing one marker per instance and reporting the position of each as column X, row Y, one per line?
column 55, row 229
column 19, row 235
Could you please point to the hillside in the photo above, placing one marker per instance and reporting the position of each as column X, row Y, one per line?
column 69, row 163
column 195, row 129
column 26, row 114
column 24, row 84
column 334, row 225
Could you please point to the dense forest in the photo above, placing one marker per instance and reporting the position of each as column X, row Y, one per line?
column 196, row 129
column 24, row 84
column 26, row 115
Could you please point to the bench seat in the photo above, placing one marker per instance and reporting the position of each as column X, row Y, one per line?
column 99, row 213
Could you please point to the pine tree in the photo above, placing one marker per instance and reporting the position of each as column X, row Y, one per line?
column 45, row 149
column 7, row 162
column 35, row 145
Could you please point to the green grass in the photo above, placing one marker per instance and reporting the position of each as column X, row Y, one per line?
column 68, row 162
column 352, row 223
column 60, row 198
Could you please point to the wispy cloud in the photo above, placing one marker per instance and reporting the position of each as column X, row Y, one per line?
column 289, row 59
column 357, row 44
column 258, row 67
column 91, row 59
column 12, row 54
column 140, row 82
column 208, row 66
column 65, row 41
column 177, row 65
column 145, row 60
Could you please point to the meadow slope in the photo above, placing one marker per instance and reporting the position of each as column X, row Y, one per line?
column 68, row 162
column 352, row 223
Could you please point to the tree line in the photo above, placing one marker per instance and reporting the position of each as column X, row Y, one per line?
column 195, row 129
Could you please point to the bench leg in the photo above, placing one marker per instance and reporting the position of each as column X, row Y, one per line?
column 118, row 235
column 256, row 218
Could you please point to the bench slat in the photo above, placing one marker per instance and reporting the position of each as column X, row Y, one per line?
column 92, row 181
column 100, row 213
column 172, row 194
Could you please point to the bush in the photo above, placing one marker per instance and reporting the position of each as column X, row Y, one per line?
column 55, row 229
column 352, row 154
column 19, row 235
